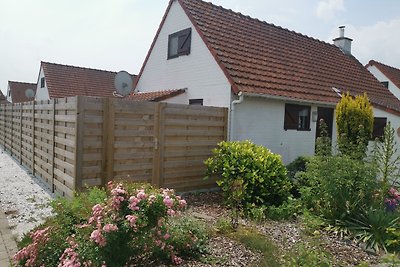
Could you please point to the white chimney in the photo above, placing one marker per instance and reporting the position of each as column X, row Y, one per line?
column 344, row 43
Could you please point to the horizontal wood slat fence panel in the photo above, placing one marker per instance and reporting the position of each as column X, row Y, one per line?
column 75, row 142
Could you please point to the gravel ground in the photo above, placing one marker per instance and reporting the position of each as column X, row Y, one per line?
column 23, row 198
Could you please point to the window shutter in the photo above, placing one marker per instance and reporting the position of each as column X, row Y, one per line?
column 184, row 42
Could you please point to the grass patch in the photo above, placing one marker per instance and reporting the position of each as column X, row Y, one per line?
column 257, row 242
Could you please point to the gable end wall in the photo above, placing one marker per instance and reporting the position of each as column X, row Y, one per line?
column 198, row 72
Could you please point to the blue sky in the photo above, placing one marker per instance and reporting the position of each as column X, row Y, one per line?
column 116, row 35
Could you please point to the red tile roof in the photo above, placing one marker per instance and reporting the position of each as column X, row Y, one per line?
column 155, row 96
column 261, row 58
column 3, row 99
column 391, row 73
column 66, row 80
column 18, row 90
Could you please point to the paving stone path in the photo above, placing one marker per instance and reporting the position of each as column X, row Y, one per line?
column 8, row 246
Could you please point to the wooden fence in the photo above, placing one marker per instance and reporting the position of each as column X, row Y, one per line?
column 75, row 142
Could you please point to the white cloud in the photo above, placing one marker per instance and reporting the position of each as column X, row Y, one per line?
column 327, row 9
column 378, row 41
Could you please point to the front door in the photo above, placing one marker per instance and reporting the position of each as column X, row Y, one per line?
column 327, row 115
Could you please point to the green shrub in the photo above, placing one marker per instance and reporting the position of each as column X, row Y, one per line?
column 261, row 174
column 339, row 186
column 354, row 121
column 287, row 210
column 125, row 225
column 297, row 166
column 303, row 256
column 376, row 228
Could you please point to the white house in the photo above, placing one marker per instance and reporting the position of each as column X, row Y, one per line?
column 276, row 83
column 387, row 75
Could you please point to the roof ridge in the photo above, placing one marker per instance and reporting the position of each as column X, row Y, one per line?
column 78, row 67
column 262, row 21
column 20, row 82
column 383, row 64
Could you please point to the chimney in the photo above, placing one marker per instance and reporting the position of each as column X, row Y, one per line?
column 344, row 43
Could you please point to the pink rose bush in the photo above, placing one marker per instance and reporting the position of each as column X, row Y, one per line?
column 129, row 225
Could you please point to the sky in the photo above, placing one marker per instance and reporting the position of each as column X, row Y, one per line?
column 116, row 35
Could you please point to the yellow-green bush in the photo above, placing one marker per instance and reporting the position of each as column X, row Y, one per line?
column 354, row 121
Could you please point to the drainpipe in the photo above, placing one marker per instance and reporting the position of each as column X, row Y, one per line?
column 232, row 111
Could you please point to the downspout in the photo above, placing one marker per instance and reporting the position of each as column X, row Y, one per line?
column 232, row 113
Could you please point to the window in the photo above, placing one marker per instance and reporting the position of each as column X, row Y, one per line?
column 198, row 102
column 297, row 117
column 42, row 82
column 379, row 125
column 179, row 43
column 9, row 93
column 386, row 84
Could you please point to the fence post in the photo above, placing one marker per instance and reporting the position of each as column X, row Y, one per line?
column 20, row 132
column 33, row 137
column 12, row 129
column 110, row 124
column 54, row 144
column 158, row 158
column 225, row 124
column 80, row 116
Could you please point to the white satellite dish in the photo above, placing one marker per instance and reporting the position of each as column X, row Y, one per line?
column 123, row 83
column 29, row 93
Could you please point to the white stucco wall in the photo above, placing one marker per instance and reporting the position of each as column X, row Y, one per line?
column 8, row 96
column 198, row 71
column 382, row 78
column 41, row 93
column 261, row 121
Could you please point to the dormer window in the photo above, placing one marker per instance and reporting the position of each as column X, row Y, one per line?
column 42, row 82
column 179, row 43
column 386, row 84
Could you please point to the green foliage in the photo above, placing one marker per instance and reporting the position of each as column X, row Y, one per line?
column 137, row 220
column 297, row 166
column 391, row 260
column 287, row 210
column 354, row 121
column 386, row 157
column 339, row 186
column 376, row 228
column 260, row 173
column 304, row 256
column 224, row 226
column 183, row 231
column 323, row 142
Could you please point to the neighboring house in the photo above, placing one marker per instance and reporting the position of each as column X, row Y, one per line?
column 57, row 81
column 277, row 83
column 3, row 99
column 18, row 92
column 387, row 75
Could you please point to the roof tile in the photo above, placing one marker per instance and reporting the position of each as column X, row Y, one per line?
column 66, row 80
column 259, row 57
column 18, row 90
column 391, row 73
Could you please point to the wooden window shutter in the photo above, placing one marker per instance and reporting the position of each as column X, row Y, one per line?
column 184, row 42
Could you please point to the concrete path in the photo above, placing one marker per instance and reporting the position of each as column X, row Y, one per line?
column 8, row 246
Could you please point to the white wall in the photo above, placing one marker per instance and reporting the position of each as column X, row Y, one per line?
column 382, row 78
column 41, row 93
column 8, row 96
column 198, row 71
column 261, row 121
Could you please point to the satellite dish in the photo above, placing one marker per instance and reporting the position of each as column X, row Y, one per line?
column 123, row 83
column 29, row 93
